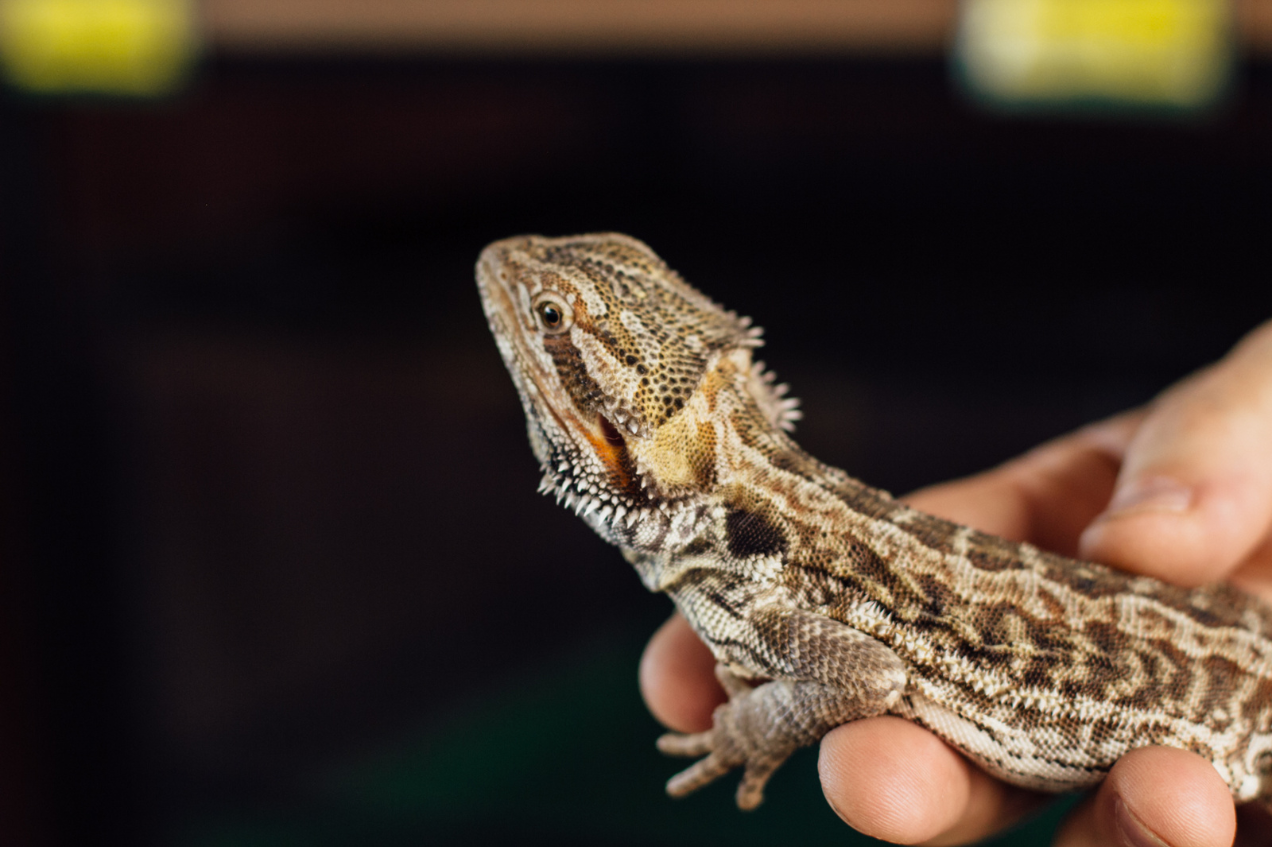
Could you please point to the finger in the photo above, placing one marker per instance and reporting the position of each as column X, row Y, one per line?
column 1047, row 496
column 1194, row 496
column 1155, row 796
column 677, row 678
column 891, row 779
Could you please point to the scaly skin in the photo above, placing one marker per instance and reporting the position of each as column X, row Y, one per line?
column 651, row 421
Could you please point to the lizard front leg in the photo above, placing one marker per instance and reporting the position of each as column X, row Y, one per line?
column 825, row 674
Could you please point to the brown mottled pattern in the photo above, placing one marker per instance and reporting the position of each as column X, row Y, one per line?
column 652, row 422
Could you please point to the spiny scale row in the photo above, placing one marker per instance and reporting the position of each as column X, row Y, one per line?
column 785, row 410
column 581, row 494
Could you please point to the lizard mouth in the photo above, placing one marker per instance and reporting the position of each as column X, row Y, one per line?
column 611, row 449
column 610, row 432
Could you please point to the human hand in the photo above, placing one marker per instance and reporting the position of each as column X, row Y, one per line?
column 1181, row 491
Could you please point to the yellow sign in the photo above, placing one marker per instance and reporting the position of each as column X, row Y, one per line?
column 128, row 47
column 1164, row 53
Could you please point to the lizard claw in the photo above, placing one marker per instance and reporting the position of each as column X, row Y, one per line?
column 751, row 790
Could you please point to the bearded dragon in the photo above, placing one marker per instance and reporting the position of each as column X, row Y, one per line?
column 824, row 600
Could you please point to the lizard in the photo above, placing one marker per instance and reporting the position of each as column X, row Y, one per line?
column 824, row 600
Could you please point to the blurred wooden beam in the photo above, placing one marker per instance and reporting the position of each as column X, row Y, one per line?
column 1254, row 26
column 581, row 27
column 610, row 27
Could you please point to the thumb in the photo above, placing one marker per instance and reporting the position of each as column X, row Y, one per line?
column 1194, row 494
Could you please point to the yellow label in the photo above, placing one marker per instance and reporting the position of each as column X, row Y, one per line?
column 131, row 47
column 1173, row 53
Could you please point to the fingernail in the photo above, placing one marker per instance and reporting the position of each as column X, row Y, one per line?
column 1152, row 494
column 1131, row 830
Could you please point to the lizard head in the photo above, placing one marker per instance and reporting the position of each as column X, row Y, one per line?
column 619, row 364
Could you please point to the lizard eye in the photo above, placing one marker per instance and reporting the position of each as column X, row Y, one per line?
column 554, row 315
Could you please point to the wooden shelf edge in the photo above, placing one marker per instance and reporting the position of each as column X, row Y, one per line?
column 654, row 28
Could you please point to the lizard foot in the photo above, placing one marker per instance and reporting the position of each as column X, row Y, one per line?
column 746, row 732
column 832, row 674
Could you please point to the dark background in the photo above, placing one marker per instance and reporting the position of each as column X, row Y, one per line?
column 272, row 565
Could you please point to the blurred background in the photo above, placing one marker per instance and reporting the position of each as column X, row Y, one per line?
column 272, row 566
